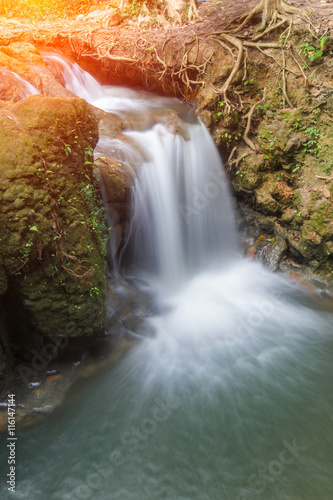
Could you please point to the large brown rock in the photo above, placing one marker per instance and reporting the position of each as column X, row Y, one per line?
column 20, row 65
column 52, row 218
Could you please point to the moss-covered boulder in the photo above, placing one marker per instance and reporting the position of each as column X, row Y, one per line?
column 52, row 217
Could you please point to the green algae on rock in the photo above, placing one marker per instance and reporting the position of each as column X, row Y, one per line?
column 52, row 217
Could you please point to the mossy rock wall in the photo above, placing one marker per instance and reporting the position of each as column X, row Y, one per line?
column 51, row 216
column 282, row 173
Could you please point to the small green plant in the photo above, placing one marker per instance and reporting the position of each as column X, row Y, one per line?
column 327, row 169
column 230, row 138
column 309, row 51
column 68, row 149
column 297, row 126
column 26, row 250
column 94, row 291
column 97, row 221
column 311, row 145
column 322, row 41
column 296, row 168
column 221, row 104
column 262, row 107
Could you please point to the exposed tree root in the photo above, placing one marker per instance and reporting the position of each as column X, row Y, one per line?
column 268, row 30
column 274, row 15
column 236, row 161
column 249, row 117
column 193, row 14
column 239, row 45
column 270, row 11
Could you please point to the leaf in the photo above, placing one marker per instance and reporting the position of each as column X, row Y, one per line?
column 33, row 228
column 327, row 192
column 322, row 41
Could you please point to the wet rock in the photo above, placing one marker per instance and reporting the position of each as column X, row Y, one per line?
column 289, row 215
column 207, row 98
column 19, row 67
column 48, row 85
column 21, row 62
column 109, row 124
column 264, row 200
column 295, row 245
column 148, row 118
column 207, row 118
column 11, row 87
column 24, row 52
column 249, row 174
column 274, row 252
column 128, row 307
column 116, row 180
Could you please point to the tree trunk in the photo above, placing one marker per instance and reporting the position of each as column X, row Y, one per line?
column 269, row 8
column 173, row 9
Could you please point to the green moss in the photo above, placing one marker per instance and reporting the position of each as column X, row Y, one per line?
column 48, row 222
column 321, row 220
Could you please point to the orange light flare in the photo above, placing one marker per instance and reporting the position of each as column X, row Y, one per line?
column 35, row 10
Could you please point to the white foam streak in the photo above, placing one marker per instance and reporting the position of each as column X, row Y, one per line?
column 78, row 81
column 27, row 88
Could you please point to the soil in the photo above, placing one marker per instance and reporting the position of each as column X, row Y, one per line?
column 156, row 60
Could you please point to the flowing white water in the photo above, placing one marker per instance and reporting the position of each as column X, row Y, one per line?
column 182, row 220
column 232, row 397
column 79, row 82
column 27, row 88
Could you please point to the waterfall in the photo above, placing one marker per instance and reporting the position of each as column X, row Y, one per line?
column 78, row 81
column 182, row 215
column 230, row 396
column 182, row 212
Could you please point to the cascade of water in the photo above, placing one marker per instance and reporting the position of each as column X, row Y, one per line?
column 77, row 81
column 182, row 215
column 27, row 88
